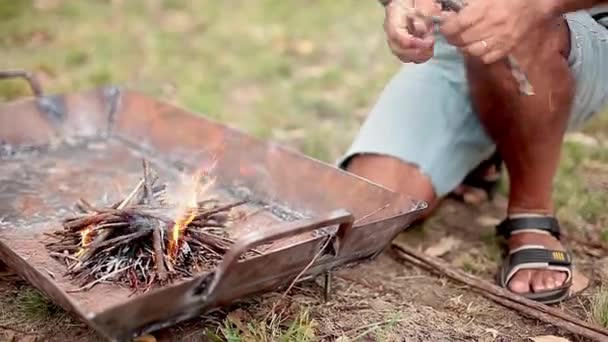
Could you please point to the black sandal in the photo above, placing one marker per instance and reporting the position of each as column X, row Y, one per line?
column 478, row 178
column 535, row 257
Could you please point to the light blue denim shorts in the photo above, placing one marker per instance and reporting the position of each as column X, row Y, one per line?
column 424, row 115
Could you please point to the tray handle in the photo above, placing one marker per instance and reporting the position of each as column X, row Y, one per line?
column 341, row 217
column 26, row 75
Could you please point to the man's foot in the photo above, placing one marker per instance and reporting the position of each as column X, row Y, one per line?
column 537, row 266
column 481, row 183
column 531, row 280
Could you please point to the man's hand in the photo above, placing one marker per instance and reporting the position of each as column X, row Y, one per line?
column 490, row 29
column 410, row 37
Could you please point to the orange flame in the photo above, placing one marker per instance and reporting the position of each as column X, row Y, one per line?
column 188, row 211
column 86, row 237
column 178, row 228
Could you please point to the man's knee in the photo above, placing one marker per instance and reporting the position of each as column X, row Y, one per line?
column 393, row 174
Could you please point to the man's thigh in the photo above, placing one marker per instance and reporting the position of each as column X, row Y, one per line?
column 424, row 117
column 588, row 61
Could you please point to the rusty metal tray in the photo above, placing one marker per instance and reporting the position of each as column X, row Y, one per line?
column 57, row 149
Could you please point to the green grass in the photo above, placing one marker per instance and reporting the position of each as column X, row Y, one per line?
column 35, row 305
column 599, row 307
column 275, row 327
column 29, row 305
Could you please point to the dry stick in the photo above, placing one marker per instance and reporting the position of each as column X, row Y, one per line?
column 93, row 283
column 79, row 223
column 91, row 250
column 52, row 235
column 159, row 258
column 121, row 240
column 64, row 256
column 111, row 225
column 504, row 297
column 148, row 190
column 212, row 241
column 85, row 206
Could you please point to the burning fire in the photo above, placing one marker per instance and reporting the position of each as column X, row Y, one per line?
column 85, row 240
column 187, row 213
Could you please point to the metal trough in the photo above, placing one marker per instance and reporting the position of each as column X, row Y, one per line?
column 57, row 149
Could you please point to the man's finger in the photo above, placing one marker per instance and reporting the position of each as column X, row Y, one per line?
column 477, row 49
column 403, row 40
column 456, row 23
column 471, row 35
column 427, row 7
column 416, row 56
column 420, row 27
column 410, row 54
column 493, row 56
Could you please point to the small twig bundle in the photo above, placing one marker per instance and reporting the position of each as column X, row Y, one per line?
column 133, row 243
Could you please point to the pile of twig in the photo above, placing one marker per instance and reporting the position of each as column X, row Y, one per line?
column 134, row 243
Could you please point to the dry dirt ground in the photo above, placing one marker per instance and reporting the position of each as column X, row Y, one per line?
column 381, row 300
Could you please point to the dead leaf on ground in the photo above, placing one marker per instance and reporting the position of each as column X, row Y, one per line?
column 445, row 245
column 488, row 221
column 549, row 338
column 579, row 282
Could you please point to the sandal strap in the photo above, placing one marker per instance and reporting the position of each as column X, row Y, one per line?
column 540, row 223
column 540, row 255
column 536, row 257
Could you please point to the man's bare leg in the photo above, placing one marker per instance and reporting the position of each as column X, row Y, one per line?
column 528, row 131
column 395, row 175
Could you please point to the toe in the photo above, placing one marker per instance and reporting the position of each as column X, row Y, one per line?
column 520, row 282
column 538, row 283
column 549, row 280
column 560, row 278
